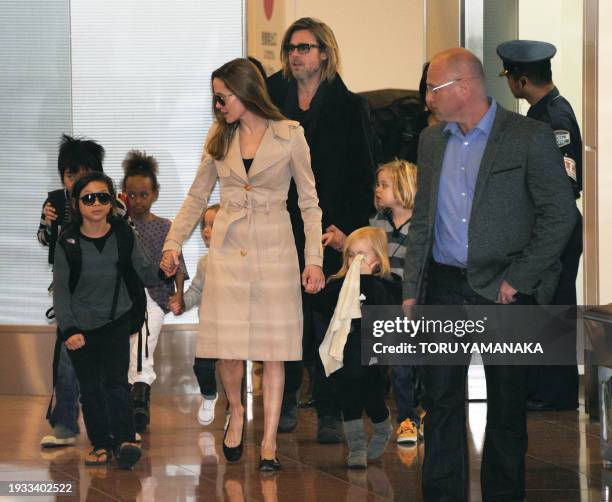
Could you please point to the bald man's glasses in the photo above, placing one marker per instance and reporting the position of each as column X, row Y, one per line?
column 434, row 89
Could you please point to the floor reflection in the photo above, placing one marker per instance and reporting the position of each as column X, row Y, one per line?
column 183, row 461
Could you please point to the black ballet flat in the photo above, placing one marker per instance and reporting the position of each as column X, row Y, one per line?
column 269, row 465
column 233, row 454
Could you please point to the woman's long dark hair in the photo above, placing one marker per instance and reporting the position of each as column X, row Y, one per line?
column 245, row 81
column 79, row 186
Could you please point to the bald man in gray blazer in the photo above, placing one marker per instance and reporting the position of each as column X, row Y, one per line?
column 492, row 215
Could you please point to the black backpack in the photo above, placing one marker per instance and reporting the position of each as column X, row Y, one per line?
column 70, row 243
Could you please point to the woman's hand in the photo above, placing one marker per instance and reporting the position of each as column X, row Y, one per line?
column 170, row 262
column 313, row 279
column 75, row 342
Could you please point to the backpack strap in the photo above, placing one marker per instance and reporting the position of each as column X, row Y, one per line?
column 71, row 244
column 125, row 245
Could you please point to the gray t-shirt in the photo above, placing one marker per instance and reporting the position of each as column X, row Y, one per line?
column 89, row 307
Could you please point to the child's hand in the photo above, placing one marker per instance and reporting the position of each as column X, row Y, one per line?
column 334, row 237
column 176, row 304
column 170, row 262
column 50, row 213
column 75, row 342
column 368, row 268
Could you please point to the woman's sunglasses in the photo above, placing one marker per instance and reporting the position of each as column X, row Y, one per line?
column 218, row 98
column 89, row 199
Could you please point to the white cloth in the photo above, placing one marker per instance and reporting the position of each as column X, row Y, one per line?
column 155, row 319
column 348, row 308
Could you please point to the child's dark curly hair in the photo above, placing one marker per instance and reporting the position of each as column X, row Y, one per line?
column 137, row 163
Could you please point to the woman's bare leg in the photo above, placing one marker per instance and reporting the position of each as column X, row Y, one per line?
column 273, row 385
column 231, row 372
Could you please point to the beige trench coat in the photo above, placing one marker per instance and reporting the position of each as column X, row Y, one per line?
column 251, row 305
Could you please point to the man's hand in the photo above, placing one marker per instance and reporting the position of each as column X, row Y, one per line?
column 170, row 262
column 176, row 304
column 334, row 237
column 75, row 342
column 506, row 294
column 50, row 213
column 408, row 307
column 313, row 279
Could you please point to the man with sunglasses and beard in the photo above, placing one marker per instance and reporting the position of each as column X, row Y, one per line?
column 336, row 123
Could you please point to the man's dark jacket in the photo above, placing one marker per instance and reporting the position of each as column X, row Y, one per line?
column 339, row 135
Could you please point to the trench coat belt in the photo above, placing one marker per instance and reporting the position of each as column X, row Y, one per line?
column 246, row 208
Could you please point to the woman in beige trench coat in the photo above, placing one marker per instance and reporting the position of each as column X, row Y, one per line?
column 251, row 303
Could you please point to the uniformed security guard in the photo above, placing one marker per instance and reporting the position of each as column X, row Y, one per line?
column 527, row 68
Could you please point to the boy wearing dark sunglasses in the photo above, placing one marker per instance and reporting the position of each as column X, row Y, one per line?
column 77, row 157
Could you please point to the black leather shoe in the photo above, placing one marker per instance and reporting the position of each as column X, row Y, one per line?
column 269, row 465
column 233, row 454
column 533, row 405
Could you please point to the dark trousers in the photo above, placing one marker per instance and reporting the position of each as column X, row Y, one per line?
column 445, row 465
column 101, row 366
column 204, row 370
column 362, row 388
column 558, row 385
column 66, row 409
column 325, row 391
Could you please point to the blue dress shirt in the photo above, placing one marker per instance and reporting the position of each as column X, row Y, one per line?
column 456, row 192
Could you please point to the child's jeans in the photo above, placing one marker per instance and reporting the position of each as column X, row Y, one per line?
column 66, row 409
column 204, row 370
column 404, row 380
column 101, row 366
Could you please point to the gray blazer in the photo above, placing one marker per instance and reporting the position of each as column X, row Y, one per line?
column 523, row 210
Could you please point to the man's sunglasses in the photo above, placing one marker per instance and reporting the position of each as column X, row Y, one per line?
column 301, row 48
column 89, row 199
column 217, row 98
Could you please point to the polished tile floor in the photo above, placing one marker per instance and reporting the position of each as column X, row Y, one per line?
column 183, row 461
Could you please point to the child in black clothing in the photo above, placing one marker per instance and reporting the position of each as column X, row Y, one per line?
column 76, row 157
column 363, row 387
column 93, row 310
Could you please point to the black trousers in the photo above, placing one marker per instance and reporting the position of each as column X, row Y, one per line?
column 362, row 388
column 558, row 385
column 445, row 465
column 101, row 366
column 326, row 392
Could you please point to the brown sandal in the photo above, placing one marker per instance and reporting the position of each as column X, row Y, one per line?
column 101, row 456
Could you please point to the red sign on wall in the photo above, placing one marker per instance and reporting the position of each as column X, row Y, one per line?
column 268, row 8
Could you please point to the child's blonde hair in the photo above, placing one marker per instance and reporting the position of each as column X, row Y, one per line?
column 404, row 180
column 378, row 239
column 214, row 207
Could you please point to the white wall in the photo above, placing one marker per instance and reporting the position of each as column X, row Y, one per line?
column 560, row 23
column 604, row 158
column 381, row 43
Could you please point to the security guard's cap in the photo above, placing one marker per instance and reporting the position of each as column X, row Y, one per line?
column 519, row 52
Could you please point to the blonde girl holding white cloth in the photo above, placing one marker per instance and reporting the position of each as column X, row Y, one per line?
column 364, row 279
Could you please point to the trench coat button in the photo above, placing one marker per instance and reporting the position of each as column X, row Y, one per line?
column 248, row 188
column 243, row 252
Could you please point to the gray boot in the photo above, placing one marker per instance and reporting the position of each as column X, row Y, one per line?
column 356, row 440
column 380, row 438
